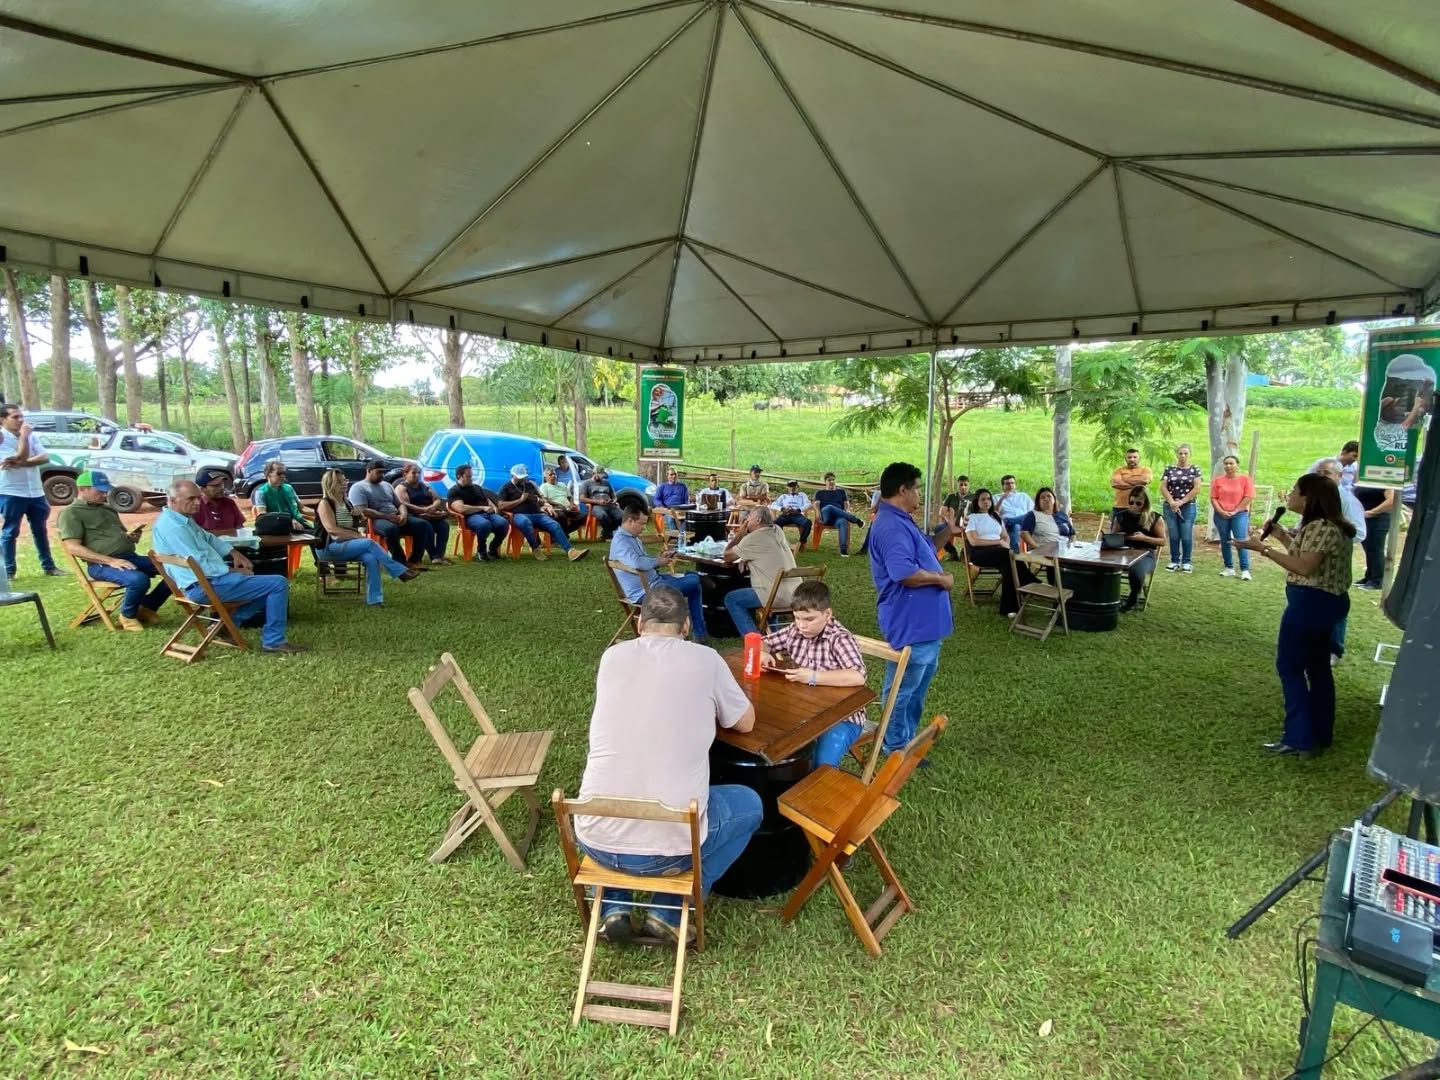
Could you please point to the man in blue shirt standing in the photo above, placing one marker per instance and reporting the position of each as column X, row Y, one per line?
column 914, row 596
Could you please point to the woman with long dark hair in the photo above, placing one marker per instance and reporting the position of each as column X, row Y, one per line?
column 1316, row 558
column 1142, row 528
column 987, row 544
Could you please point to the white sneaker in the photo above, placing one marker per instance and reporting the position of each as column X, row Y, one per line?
column 1173, row 566
column 1187, row 569
column 1334, row 659
column 1227, row 572
column 1244, row 575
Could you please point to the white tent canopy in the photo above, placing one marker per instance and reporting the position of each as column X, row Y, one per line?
column 698, row 179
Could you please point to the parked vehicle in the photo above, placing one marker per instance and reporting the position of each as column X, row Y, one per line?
column 306, row 458
column 493, row 453
column 76, row 441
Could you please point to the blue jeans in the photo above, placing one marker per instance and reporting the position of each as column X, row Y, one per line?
column 369, row 553
column 910, row 701
column 689, row 587
column 842, row 520
column 13, row 510
column 830, row 748
column 136, row 582
column 492, row 525
column 391, row 533
column 1234, row 527
column 269, row 593
column 798, row 521
column 1337, row 637
column 527, row 524
column 439, row 537
column 1181, row 530
column 1012, row 526
column 742, row 605
column 731, row 818
column 1302, row 660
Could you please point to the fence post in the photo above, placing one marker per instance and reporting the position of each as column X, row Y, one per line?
column 402, row 436
column 732, row 447
column 382, row 423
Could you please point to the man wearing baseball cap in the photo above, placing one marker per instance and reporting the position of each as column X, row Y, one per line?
column 754, row 492
column 520, row 498
column 218, row 513
column 92, row 531
column 790, row 510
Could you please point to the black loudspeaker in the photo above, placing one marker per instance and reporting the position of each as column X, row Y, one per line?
column 1406, row 753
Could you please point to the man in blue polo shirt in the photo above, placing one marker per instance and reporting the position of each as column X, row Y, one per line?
column 914, row 596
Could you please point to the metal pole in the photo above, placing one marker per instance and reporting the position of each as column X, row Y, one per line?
column 930, row 437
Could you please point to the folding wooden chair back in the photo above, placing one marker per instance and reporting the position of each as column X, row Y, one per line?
column 212, row 619
column 585, row 873
column 839, row 813
column 497, row 766
column 771, row 607
column 874, row 738
column 974, row 573
column 630, row 607
column 104, row 597
column 1039, row 595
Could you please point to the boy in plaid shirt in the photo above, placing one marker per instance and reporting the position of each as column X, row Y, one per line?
column 821, row 652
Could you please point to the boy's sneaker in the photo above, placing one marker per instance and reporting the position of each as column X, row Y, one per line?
column 1173, row 566
column 1244, row 575
column 1187, row 569
column 1227, row 572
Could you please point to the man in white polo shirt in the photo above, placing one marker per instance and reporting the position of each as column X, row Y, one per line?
column 22, row 495
column 646, row 745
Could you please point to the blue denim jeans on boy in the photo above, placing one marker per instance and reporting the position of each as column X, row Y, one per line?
column 369, row 554
column 831, row 747
column 910, row 701
column 1302, row 660
column 842, row 520
column 1233, row 527
column 15, row 509
column 1181, row 530
column 528, row 523
column 731, row 818
column 136, row 583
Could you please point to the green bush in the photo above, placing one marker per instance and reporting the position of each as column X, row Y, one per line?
column 1303, row 397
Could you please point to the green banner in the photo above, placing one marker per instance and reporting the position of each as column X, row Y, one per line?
column 662, row 413
column 1400, row 379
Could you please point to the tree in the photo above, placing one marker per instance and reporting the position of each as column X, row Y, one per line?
column 1114, row 387
column 300, row 370
column 1060, row 441
column 1227, row 367
column 124, row 310
column 896, row 391
column 269, row 394
column 9, row 382
column 92, row 314
column 221, row 319
column 62, row 385
column 16, row 288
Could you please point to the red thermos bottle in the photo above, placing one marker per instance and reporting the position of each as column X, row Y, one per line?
column 752, row 655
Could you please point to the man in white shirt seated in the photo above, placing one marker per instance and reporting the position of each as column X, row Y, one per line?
column 712, row 496
column 1013, row 504
column 790, row 509
column 657, row 746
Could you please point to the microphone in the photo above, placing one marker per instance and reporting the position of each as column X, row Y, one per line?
column 1274, row 521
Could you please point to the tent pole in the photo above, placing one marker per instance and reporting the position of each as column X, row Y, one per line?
column 930, row 438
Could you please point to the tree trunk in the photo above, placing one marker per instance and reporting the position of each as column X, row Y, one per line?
column 357, row 385
column 1215, row 410
column 9, row 385
column 164, row 385
column 62, row 384
column 454, row 397
column 582, row 404
column 1233, row 418
column 1060, row 444
column 104, row 356
column 134, row 404
column 220, row 326
column 29, row 391
column 269, row 395
column 304, row 381
column 325, row 393
column 185, row 381
column 245, row 377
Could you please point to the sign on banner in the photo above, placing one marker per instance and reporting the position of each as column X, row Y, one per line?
column 662, row 415
column 1400, row 379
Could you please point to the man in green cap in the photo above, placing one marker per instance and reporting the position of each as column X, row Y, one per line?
column 93, row 532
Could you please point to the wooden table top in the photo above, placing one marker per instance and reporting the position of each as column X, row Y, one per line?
column 789, row 715
column 1118, row 558
column 271, row 541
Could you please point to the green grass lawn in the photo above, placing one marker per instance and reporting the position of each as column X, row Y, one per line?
column 220, row 870
column 989, row 443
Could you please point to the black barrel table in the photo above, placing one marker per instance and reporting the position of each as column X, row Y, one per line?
column 770, row 758
column 1099, row 579
column 717, row 580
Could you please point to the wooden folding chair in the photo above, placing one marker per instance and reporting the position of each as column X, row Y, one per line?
column 498, row 765
column 631, row 608
column 585, row 873
column 839, row 813
column 974, row 573
column 816, row 572
column 1144, row 600
column 875, row 737
column 104, row 597
column 1050, row 599
column 212, row 618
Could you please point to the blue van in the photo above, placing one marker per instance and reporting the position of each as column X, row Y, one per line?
column 493, row 453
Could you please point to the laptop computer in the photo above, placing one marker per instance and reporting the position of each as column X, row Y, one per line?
column 1113, row 541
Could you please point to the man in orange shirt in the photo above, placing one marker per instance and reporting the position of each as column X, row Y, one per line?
column 1131, row 475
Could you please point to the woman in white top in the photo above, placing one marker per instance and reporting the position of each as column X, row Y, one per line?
column 987, row 544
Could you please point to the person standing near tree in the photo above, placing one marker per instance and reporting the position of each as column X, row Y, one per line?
column 1179, row 487
column 1128, row 477
column 914, row 597
column 1230, row 497
column 22, row 495
column 1377, row 505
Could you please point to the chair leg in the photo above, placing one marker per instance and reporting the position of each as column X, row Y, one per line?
column 44, row 622
column 852, row 911
column 824, row 859
column 1064, row 618
column 894, row 889
column 592, row 933
column 679, row 965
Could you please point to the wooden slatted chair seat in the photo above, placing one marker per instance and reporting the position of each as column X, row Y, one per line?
column 821, row 803
column 512, row 757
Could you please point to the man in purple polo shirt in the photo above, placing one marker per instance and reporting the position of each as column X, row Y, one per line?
column 914, row 596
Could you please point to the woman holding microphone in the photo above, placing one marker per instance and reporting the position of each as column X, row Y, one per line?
column 1317, row 559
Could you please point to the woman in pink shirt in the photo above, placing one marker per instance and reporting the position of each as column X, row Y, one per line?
column 1230, row 497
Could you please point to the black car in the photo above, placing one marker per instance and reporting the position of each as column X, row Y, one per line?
column 306, row 458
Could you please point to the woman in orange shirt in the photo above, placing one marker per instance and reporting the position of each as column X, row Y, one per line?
column 1230, row 497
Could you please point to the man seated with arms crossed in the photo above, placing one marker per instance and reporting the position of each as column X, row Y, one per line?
column 598, row 499
column 374, row 499
column 267, row 595
column 92, row 531
column 832, row 506
column 1013, row 504
column 790, row 509
column 479, row 508
column 817, row 651
column 672, row 493
column 520, row 498
column 626, row 547
column 754, row 492
column 762, row 544
column 556, row 501
column 657, row 746
column 218, row 513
